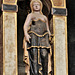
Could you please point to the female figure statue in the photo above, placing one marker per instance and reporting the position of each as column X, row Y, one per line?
column 37, row 35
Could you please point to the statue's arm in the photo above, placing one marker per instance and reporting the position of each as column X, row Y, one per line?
column 26, row 25
column 47, row 26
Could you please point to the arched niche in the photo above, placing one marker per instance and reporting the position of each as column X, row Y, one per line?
column 10, row 59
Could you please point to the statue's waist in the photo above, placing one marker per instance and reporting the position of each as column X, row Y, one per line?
column 38, row 29
column 38, row 34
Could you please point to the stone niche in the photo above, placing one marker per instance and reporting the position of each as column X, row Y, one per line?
column 24, row 7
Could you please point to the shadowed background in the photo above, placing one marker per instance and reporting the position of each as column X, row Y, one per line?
column 71, row 35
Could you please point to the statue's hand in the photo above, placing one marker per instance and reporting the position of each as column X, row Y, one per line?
column 51, row 38
column 27, row 37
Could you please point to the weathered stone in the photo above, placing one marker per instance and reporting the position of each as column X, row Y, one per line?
column 60, row 46
column 10, row 43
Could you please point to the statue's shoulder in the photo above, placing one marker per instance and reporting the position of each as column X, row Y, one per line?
column 29, row 15
column 45, row 17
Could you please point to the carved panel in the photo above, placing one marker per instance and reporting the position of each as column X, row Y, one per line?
column 9, row 1
column 58, row 2
column 9, row 8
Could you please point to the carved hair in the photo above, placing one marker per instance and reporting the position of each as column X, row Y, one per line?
column 31, row 5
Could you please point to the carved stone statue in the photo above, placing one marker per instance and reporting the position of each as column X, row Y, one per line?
column 36, row 42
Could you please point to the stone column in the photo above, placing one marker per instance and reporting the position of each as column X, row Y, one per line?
column 60, row 37
column 9, row 8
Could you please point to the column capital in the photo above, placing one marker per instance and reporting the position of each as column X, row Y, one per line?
column 9, row 8
column 59, row 11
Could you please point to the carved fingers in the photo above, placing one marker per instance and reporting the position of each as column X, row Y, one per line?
column 27, row 37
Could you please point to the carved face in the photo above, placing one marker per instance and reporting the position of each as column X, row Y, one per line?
column 36, row 6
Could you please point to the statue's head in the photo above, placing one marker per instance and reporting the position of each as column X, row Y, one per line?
column 36, row 5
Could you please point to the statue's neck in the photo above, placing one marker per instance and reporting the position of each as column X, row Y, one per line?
column 37, row 12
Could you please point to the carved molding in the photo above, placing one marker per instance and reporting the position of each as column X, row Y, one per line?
column 9, row 8
column 59, row 11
